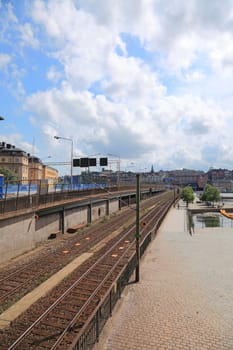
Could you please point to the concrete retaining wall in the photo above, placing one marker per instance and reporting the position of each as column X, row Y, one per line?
column 46, row 225
column 17, row 236
column 75, row 216
column 113, row 206
column 22, row 233
column 98, row 210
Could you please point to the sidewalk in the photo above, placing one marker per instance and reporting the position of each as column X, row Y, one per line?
column 184, row 297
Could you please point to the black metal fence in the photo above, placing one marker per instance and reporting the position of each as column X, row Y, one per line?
column 37, row 200
column 21, row 196
column 31, row 200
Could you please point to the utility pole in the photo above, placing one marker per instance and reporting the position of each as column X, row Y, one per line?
column 137, row 236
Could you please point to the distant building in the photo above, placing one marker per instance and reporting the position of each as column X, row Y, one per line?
column 185, row 177
column 25, row 167
column 202, row 181
column 219, row 174
column 49, row 173
column 224, row 185
column 35, row 169
column 15, row 160
column 221, row 178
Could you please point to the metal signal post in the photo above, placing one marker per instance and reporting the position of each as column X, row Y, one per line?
column 137, row 236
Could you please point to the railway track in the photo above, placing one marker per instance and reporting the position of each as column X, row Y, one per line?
column 57, row 321
column 23, row 278
column 19, row 281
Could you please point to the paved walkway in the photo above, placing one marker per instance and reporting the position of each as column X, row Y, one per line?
column 184, row 299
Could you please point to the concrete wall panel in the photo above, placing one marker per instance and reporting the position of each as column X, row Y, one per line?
column 113, row 206
column 75, row 216
column 16, row 236
column 46, row 225
column 21, row 233
column 98, row 211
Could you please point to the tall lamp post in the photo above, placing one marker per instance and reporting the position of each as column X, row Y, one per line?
column 71, row 156
column 1, row 118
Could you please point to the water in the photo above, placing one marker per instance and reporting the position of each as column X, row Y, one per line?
column 211, row 219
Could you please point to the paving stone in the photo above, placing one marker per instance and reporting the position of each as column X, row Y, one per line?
column 184, row 297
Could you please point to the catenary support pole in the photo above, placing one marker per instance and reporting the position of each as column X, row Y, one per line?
column 137, row 236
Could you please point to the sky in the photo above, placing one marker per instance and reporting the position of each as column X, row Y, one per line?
column 148, row 81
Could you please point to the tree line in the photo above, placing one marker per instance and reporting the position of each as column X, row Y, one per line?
column 210, row 194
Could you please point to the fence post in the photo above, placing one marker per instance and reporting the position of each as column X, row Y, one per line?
column 97, row 326
column 17, row 198
column 38, row 192
column 1, row 185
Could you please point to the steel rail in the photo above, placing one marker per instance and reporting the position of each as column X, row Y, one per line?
column 159, row 216
column 57, row 301
column 89, row 300
column 62, row 297
column 33, row 264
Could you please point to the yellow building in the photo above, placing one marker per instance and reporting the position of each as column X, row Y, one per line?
column 26, row 168
column 35, row 169
column 40, row 171
column 14, row 159
column 50, row 174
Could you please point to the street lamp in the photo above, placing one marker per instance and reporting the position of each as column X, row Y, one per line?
column 1, row 118
column 71, row 156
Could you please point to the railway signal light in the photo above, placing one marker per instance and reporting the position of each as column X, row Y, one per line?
column 103, row 161
column 76, row 162
column 84, row 162
column 92, row 161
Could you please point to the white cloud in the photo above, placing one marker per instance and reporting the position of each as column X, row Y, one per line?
column 194, row 76
column 27, row 36
column 131, row 81
column 168, row 97
column 7, row 21
column 53, row 74
column 4, row 60
column 99, row 125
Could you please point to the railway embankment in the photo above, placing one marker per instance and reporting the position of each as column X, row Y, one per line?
column 112, row 261
column 24, row 230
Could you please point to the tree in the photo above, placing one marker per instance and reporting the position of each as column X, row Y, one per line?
column 210, row 194
column 187, row 195
column 9, row 175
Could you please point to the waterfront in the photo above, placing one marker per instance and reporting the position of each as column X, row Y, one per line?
column 211, row 219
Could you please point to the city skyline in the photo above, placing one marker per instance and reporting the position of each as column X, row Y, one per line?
column 147, row 81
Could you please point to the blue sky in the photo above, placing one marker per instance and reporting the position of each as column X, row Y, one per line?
column 148, row 81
